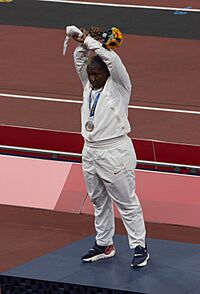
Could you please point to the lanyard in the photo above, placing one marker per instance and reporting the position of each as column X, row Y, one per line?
column 92, row 108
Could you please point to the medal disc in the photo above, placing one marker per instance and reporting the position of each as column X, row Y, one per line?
column 89, row 126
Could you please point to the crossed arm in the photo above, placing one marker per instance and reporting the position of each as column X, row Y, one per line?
column 89, row 42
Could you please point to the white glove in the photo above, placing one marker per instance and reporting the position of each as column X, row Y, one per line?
column 70, row 31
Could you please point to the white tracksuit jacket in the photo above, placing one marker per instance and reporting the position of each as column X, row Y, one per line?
column 110, row 117
column 109, row 158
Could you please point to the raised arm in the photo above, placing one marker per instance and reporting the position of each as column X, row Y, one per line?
column 80, row 61
column 116, row 68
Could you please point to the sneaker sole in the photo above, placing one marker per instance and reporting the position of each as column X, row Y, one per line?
column 99, row 256
column 144, row 263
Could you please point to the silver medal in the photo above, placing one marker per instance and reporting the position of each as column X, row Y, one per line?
column 89, row 126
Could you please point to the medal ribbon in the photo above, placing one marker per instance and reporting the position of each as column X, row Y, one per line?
column 92, row 108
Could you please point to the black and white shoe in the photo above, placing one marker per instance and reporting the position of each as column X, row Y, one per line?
column 99, row 252
column 140, row 257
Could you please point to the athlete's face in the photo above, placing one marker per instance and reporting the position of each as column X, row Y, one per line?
column 97, row 75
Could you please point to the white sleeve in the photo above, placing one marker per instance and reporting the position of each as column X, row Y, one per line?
column 116, row 68
column 80, row 61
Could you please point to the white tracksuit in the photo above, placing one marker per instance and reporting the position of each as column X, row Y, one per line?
column 109, row 158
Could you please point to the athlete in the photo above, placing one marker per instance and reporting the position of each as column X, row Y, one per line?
column 108, row 156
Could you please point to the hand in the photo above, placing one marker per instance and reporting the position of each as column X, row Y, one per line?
column 95, row 32
column 82, row 38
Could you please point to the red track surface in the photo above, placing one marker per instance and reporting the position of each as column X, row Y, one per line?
column 164, row 72
column 164, row 3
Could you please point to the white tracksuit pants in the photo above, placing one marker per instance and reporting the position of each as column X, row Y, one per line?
column 109, row 175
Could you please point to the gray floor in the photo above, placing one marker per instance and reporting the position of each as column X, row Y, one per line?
column 174, row 268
